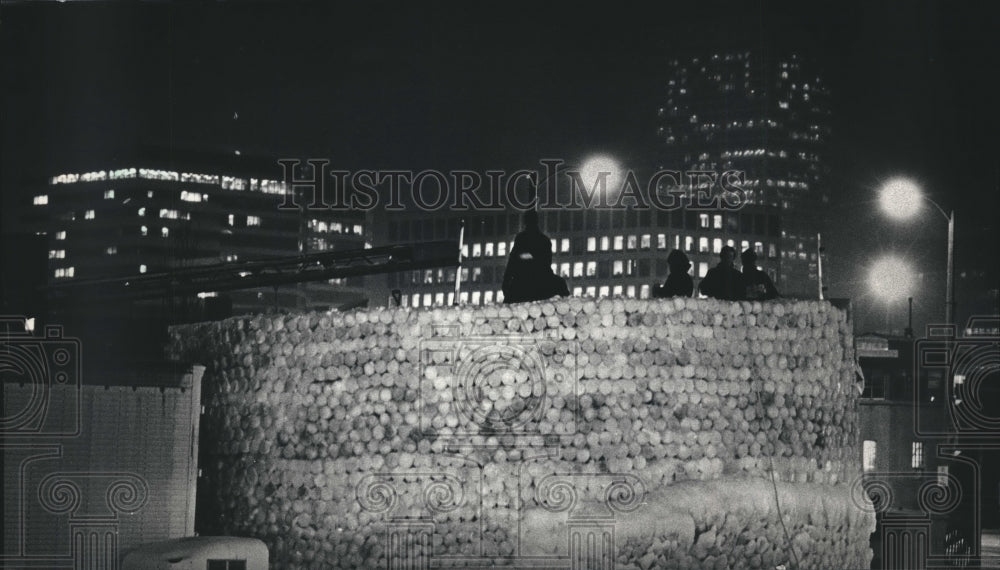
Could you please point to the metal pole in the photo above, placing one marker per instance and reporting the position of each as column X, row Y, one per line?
column 819, row 262
column 949, row 307
column 458, row 270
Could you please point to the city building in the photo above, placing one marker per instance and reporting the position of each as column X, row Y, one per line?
column 599, row 252
column 765, row 117
column 911, row 458
column 768, row 116
column 167, row 212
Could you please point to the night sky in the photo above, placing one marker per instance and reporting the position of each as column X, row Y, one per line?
column 490, row 85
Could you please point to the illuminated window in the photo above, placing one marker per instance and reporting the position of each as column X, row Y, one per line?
column 591, row 244
column 253, row 221
column 605, row 243
column 428, row 299
column 232, row 219
column 591, row 268
column 703, row 245
column 702, row 269
column 578, row 269
column 617, row 290
column 40, row 200
column 57, row 253
column 190, row 196
column 703, row 220
column 618, row 267
column 111, row 250
column 439, row 299
column 661, row 241
column 488, row 249
column 477, row 250
column 165, row 232
column 61, row 235
column 644, row 292
column 88, row 215
column 109, row 194
column 717, row 221
column 565, row 245
column 172, row 214
column 744, row 245
column 488, row 297
column 603, row 291
column 591, row 291
column 630, row 291
column 564, row 270
column 688, row 243
column 645, row 242
column 428, row 277
column 141, row 212
column 632, row 242
column 142, row 268
column 772, row 251
column 619, row 243
column 502, row 248
column 917, row 455
column 577, row 291
column 942, row 475
column 358, row 230
column 868, row 451
column 716, row 245
column 499, row 296
column 475, row 297
column 144, row 230
column 758, row 247
column 477, row 274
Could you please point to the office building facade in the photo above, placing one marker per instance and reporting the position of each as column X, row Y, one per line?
column 767, row 116
column 155, row 218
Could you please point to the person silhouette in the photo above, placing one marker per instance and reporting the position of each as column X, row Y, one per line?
column 758, row 284
column 529, row 276
column 724, row 281
column 679, row 282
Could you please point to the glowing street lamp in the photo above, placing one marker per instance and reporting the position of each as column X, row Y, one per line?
column 591, row 170
column 900, row 198
column 601, row 165
column 891, row 279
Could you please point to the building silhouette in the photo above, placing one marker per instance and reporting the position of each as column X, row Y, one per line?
column 163, row 212
column 767, row 115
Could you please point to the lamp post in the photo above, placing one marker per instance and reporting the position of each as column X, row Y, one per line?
column 900, row 199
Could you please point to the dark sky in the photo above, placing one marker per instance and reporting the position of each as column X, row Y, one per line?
column 496, row 85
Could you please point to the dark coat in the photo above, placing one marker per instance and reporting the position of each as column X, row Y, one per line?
column 758, row 285
column 679, row 282
column 723, row 282
column 529, row 275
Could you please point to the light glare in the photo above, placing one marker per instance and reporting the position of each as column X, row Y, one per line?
column 891, row 279
column 900, row 198
column 595, row 166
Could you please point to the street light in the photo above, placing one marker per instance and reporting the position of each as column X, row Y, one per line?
column 890, row 279
column 900, row 198
column 591, row 170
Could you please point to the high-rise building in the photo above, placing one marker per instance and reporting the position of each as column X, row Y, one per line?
column 155, row 216
column 600, row 252
column 767, row 116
